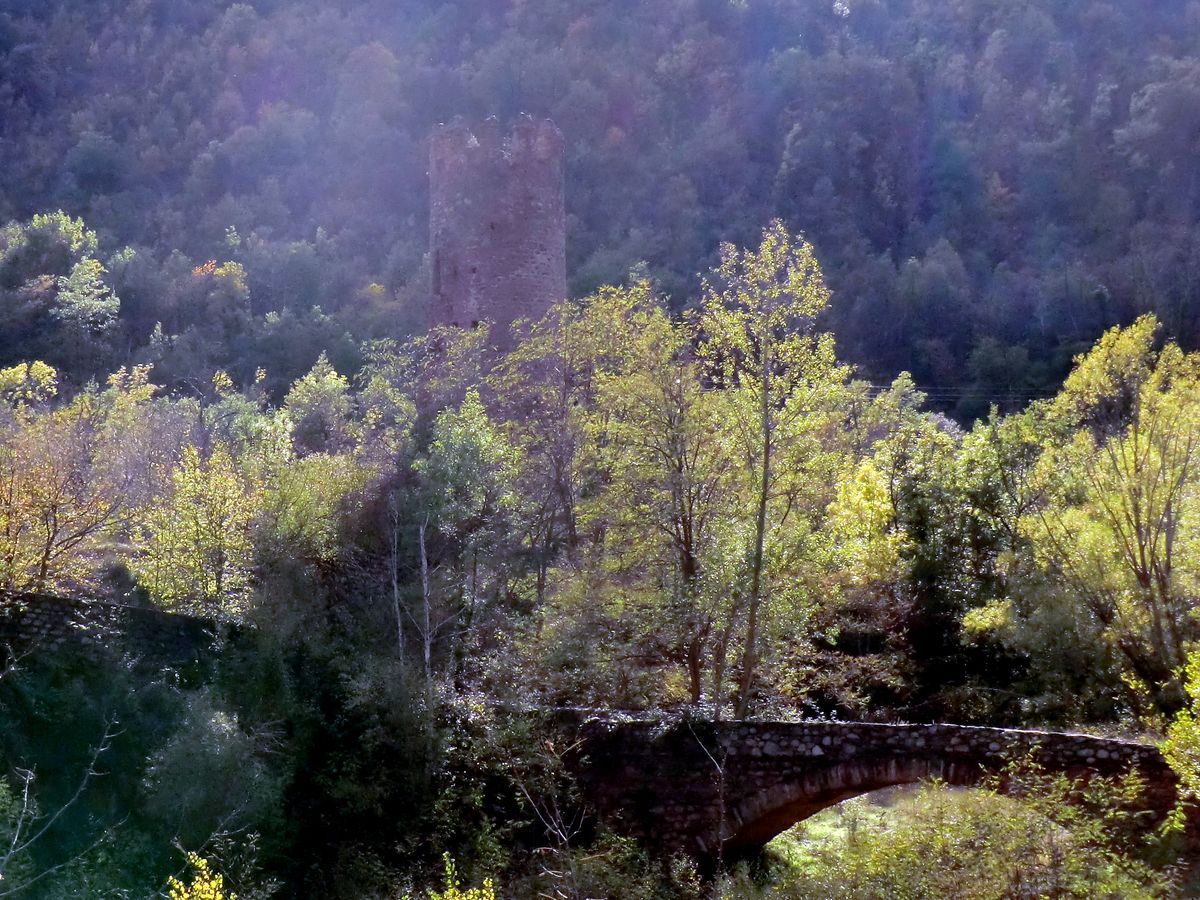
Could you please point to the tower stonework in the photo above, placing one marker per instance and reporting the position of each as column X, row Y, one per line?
column 496, row 223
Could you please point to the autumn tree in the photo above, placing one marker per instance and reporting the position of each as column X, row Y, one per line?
column 65, row 486
column 1118, row 527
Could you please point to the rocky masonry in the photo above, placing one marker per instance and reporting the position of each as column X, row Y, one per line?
column 36, row 623
column 497, row 226
column 701, row 786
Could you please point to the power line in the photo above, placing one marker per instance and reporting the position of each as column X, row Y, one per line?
column 947, row 393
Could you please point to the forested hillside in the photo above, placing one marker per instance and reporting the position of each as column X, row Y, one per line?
column 988, row 184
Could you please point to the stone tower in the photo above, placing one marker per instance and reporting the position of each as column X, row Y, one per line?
column 497, row 231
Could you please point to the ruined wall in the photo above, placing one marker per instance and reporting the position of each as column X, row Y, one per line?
column 497, row 224
column 37, row 624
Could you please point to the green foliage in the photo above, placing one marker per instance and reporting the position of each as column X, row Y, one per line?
column 18, row 815
column 631, row 509
column 977, row 178
column 319, row 404
column 195, row 550
column 1181, row 748
column 1048, row 841
column 466, row 469
column 210, row 746
column 1117, row 523
column 85, row 304
column 757, row 321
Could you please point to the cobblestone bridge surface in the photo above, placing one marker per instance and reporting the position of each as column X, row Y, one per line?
column 732, row 786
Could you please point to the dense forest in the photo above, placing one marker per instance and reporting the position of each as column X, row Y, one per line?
column 877, row 398
column 994, row 183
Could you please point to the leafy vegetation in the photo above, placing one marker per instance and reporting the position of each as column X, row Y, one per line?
column 989, row 186
column 969, row 844
column 676, row 493
column 630, row 510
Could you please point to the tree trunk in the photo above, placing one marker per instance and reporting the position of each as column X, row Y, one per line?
column 426, row 603
column 395, row 523
column 750, row 651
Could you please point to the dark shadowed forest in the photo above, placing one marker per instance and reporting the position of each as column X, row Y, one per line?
column 876, row 398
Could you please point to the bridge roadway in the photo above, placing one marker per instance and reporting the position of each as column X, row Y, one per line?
column 704, row 787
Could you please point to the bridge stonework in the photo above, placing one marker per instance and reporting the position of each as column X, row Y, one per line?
column 729, row 787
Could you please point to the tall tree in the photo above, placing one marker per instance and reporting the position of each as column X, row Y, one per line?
column 662, row 443
column 759, row 341
column 1119, row 526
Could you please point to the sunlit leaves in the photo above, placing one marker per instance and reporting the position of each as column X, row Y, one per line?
column 195, row 548
column 28, row 384
column 65, row 481
column 85, row 304
column 1118, row 522
column 203, row 884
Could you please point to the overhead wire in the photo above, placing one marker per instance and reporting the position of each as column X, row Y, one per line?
column 949, row 393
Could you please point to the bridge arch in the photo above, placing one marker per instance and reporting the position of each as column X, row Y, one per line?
column 756, row 820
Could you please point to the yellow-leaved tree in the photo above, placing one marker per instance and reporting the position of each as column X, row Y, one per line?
column 195, row 549
column 65, row 486
column 454, row 889
column 759, row 343
column 205, row 884
column 1118, row 524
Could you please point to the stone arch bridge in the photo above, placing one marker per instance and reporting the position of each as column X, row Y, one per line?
column 709, row 788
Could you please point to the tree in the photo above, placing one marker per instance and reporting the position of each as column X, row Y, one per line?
column 64, row 482
column 29, row 384
column 464, row 494
column 661, row 442
column 1119, row 525
column 196, row 549
column 757, row 324
column 85, row 304
column 320, row 405
column 545, row 390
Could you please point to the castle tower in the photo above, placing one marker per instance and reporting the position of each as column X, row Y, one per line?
column 496, row 223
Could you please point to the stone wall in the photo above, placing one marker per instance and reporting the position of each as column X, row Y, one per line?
column 735, row 785
column 497, row 223
column 39, row 624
